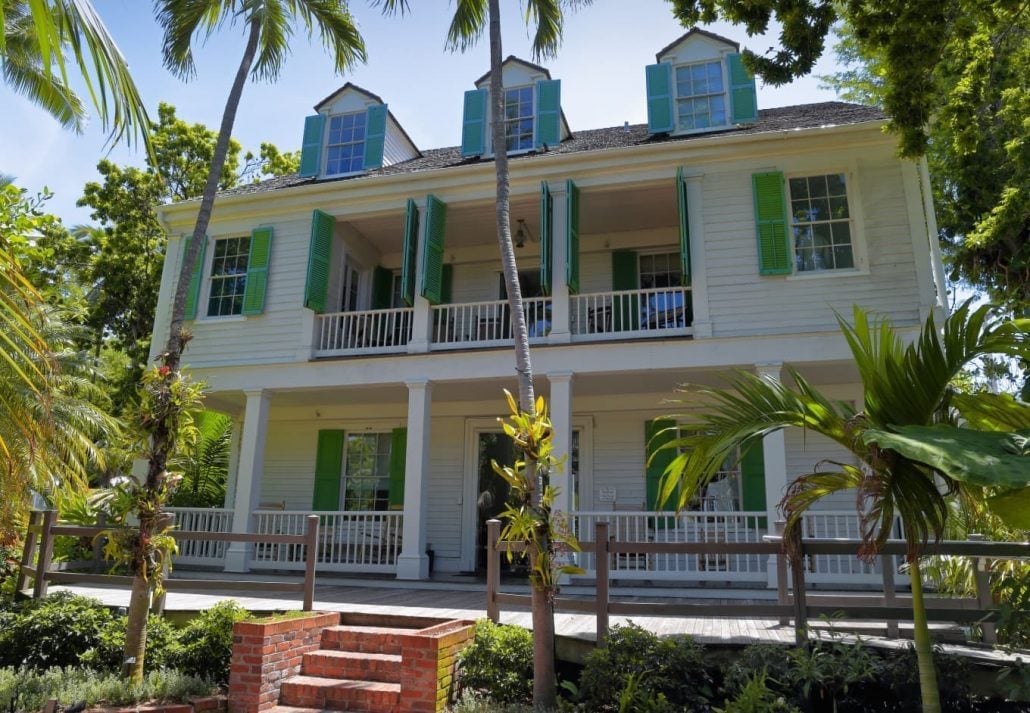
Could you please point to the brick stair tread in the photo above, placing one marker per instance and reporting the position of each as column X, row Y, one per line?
column 341, row 683
column 355, row 655
column 371, row 629
column 353, row 665
column 336, row 693
column 296, row 709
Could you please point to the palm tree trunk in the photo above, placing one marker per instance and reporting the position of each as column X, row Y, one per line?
column 163, row 439
column 924, row 649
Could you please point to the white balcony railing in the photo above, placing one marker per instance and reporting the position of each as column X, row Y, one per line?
column 841, row 524
column 379, row 331
column 486, row 323
column 367, row 541
column 202, row 552
column 626, row 313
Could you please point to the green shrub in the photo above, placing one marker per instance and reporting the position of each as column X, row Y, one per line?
column 205, row 644
column 109, row 653
column 473, row 703
column 1013, row 592
column 498, row 664
column 639, row 671
column 27, row 689
column 50, row 632
column 756, row 697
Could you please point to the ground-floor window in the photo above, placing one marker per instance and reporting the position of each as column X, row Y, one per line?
column 366, row 471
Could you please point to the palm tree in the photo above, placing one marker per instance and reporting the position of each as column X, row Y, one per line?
column 36, row 39
column 269, row 25
column 901, row 470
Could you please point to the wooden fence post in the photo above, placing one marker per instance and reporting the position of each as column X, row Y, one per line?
column 602, row 563
column 46, row 554
column 310, row 558
column 888, row 569
column 98, row 544
column 782, row 596
column 28, row 552
column 797, row 576
column 493, row 570
column 984, row 597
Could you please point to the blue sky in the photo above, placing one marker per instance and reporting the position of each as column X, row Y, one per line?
column 601, row 65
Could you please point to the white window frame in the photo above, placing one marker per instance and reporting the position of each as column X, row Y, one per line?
column 725, row 94
column 204, row 296
column 347, row 435
column 328, row 145
column 858, row 240
column 532, row 117
column 672, row 250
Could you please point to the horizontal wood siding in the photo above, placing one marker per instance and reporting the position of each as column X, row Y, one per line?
column 444, row 494
column 619, row 457
column 805, row 451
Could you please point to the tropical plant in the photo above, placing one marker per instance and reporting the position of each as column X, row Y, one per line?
column 908, row 453
column 205, row 463
column 269, row 26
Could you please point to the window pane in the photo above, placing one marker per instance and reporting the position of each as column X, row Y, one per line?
column 821, row 223
column 839, row 207
column 835, row 184
column 842, row 257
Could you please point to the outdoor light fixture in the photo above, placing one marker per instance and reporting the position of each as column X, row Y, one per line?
column 522, row 233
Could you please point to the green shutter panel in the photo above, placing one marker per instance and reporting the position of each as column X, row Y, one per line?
column 382, row 288
column 257, row 271
column 548, row 113
column 409, row 261
column 328, row 471
column 473, row 129
column 659, row 98
column 546, row 238
column 625, row 308
column 375, row 136
column 743, row 96
column 771, row 221
column 320, row 252
column 752, row 480
column 447, row 290
column 684, row 210
column 398, row 453
column 572, row 236
column 196, row 277
column 656, row 434
column 311, row 146
column 432, row 250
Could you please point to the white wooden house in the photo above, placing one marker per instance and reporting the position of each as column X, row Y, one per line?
column 352, row 318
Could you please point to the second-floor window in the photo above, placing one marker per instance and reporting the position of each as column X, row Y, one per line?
column 346, row 144
column 821, row 223
column 518, row 118
column 366, row 472
column 228, row 276
column 660, row 270
column 700, row 96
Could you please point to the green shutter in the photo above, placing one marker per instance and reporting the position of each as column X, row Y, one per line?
column 409, row 261
column 320, row 253
column 771, row 222
column 743, row 97
column 398, row 452
column 257, row 271
column 752, row 479
column 548, row 113
column 546, row 238
column 657, row 433
column 572, row 236
column 311, row 146
column 375, row 136
column 432, row 249
column 328, row 471
column 473, row 130
column 625, row 276
column 382, row 288
column 447, row 290
column 681, row 196
column 196, row 277
column 659, row 98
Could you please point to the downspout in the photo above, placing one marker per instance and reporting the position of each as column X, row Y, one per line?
column 933, row 236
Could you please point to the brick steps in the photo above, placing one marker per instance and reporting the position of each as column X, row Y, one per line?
column 353, row 665
column 364, row 639
column 340, row 694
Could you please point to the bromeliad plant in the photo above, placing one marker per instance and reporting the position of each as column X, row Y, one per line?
column 530, row 519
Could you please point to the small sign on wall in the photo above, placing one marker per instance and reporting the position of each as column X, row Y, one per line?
column 606, row 495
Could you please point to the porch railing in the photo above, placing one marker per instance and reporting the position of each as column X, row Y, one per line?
column 378, row 331
column 367, row 541
column 487, row 323
column 202, row 552
column 647, row 312
column 836, row 568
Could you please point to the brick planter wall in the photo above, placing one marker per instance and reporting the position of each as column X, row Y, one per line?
column 264, row 654
column 428, row 663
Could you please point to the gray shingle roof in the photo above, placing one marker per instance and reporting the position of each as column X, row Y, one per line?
column 804, row 116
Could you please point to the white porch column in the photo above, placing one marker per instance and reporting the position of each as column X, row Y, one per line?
column 561, row 420
column 248, row 479
column 560, row 332
column 412, row 563
column 774, row 452
column 698, row 275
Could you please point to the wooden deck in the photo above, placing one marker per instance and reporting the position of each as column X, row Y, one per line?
column 468, row 601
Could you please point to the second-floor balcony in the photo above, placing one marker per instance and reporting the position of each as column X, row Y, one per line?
column 620, row 314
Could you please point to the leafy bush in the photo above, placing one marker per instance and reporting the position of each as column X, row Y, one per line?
column 205, row 644
column 50, row 632
column 109, row 653
column 756, row 697
column 498, row 664
column 639, row 671
column 1013, row 592
column 473, row 703
column 28, row 689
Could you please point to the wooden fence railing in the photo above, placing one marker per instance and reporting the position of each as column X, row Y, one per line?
column 794, row 601
column 37, row 559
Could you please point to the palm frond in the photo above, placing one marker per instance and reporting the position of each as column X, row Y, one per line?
column 337, row 28
column 546, row 16
column 467, row 25
column 181, row 20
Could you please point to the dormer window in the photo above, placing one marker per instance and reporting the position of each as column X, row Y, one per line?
column 700, row 96
column 518, row 118
column 346, row 144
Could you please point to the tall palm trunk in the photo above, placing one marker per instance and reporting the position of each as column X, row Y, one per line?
column 924, row 649
column 544, row 685
column 163, row 440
